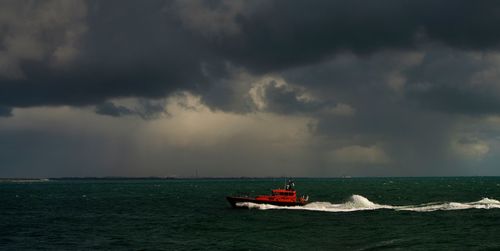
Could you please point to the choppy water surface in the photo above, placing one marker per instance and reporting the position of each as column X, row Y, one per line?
column 347, row 214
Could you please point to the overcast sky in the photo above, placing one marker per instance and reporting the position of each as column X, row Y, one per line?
column 249, row 88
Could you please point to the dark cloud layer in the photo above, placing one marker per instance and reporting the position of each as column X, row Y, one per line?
column 5, row 111
column 283, row 34
column 145, row 109
column 392, row 87
column 110, row 109
column 459, row 100
column 152, row 49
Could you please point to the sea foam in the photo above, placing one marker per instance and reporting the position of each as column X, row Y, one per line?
column 360, row 203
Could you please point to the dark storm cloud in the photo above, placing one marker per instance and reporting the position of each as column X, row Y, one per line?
column 283, row 100
column 290, row 33
column 150, row 109
column 110, row 109
column 287, row 100
column 5, row 111
column 146, row 109
column 133, row 51
column 125, row 49
column 455, row 82
column 458, row 100
column 417, row 140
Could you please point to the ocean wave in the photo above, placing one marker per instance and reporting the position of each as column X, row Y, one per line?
column 360, row 203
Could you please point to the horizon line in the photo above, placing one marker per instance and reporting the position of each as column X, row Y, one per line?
column 234, row 177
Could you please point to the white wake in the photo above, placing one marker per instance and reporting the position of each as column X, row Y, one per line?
column 360, row 203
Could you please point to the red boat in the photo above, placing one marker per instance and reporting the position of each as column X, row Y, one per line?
column 279, row 197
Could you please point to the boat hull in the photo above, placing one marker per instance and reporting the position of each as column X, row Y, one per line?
column 235, row 200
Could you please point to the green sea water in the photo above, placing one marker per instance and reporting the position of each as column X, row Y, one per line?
column 460, row 213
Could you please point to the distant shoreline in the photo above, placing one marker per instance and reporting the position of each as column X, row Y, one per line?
column 20, row 180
